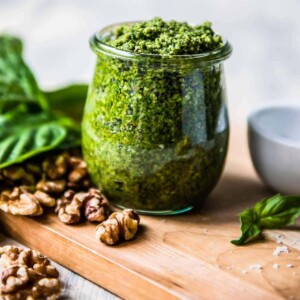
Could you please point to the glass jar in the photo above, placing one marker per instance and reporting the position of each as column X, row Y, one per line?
column 155, row 129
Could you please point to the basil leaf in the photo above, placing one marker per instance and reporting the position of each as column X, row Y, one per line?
column 278, row 211
column 30, row 121
column 24, row 135
column 249, row 227
column 68, row 100
column 17, row 83
column 275, row 212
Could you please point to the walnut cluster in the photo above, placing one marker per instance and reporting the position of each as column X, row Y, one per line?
column 62, row 181
column 31, row 186
column 63, row 172
column 26, row 274
column 119, row 226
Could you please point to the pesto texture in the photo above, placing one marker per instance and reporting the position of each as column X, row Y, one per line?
column 166, row 38
column 154, row 133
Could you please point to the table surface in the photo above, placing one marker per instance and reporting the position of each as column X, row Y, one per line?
column 75, row 287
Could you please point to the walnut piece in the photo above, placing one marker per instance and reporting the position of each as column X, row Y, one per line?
column 51, row 186
column 46, row 288
column 20, row 202
column 119, row 225
column 96, row 206
column 69, row 206
column 9, row 256
column 79, row 170
column 19, row 174
column 14, row 278
column 44, row 199
column 27, row 275
column 55, row 167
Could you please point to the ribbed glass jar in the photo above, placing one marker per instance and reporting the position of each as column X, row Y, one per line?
column 155, row 129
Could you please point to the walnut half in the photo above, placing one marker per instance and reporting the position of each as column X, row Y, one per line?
column 72, row 205
column 96, row 207
column 20, row 202
column 119, row 225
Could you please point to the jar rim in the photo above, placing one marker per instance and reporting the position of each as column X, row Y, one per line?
column 98, row 44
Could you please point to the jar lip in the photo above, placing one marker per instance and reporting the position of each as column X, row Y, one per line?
column 98, row 44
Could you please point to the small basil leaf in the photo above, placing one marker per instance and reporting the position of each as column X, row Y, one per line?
column 249, row 227
column 275, row 212
column 250, row 234
column 278, row 211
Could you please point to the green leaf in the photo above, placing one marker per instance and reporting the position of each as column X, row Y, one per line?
column 275, row 212
column 17, row 83
column 278, row 211
column 24, row 135
column 68, row 100
column 32, row 122
column 249, row 227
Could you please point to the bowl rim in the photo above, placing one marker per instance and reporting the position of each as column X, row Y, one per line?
column 273, row 137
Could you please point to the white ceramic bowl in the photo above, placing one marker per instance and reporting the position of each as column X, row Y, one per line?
column 274, row 142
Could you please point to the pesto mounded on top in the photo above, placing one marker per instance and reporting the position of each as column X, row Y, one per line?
column 165, row 38
column 155, row 133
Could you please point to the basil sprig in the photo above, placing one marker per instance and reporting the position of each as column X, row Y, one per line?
column 271, row 213
column 33, row 121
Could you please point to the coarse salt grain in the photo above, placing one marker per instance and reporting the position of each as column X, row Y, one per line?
column 256, row 267
column 276, row 266
column 279, row 250
column 289, row 266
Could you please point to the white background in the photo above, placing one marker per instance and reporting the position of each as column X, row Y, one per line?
column 265, row 34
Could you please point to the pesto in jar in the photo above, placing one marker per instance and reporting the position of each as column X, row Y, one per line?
column 155, row 125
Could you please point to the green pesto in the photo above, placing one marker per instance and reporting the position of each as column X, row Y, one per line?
column 155, row 134
column 166, row 38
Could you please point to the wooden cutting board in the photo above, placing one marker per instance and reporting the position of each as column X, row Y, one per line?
column 179, row 257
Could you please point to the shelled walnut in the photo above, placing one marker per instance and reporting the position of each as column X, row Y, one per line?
column 44, row 199
column 119, row 225
column 71, row 206
column 20, row 201
column 26, row 274
column 64, row 171
column 96, row 207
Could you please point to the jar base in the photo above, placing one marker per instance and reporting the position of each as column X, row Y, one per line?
column 157, row 212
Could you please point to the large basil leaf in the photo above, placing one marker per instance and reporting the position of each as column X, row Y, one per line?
column 30, row 121
column 68, row 100
column 24, row 135
column 17, row 83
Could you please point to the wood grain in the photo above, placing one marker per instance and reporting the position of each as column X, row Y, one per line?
column 179, row 257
